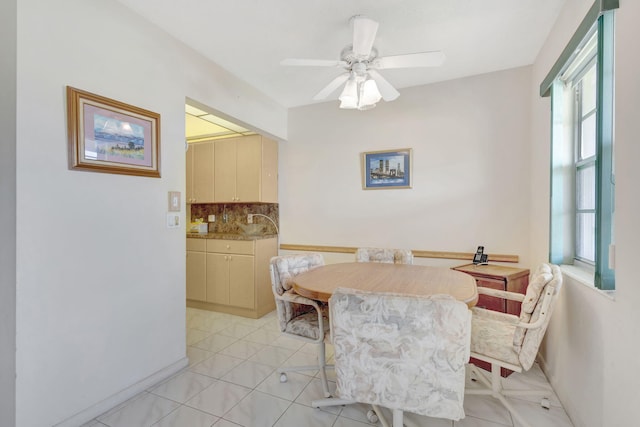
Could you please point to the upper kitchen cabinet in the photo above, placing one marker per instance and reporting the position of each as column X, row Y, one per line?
column 200, row 174
column 246, row 170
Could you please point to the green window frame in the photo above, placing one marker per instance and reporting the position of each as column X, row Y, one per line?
column 567, row 163
column 584, row 129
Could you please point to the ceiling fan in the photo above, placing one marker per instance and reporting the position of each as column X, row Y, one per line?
column 364, row 86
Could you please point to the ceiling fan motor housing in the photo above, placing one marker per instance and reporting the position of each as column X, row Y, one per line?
column 351, row 58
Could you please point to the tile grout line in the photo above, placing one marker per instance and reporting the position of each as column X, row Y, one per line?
column 234, row 328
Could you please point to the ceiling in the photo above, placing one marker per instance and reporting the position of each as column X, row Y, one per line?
column 201, row 125
column 249, row 38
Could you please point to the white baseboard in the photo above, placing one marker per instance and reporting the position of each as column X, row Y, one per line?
column 122, row 396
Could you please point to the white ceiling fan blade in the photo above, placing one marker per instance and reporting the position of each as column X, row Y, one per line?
column 328, row 89
column 313, row 62
column 364, row 33
column 388, row 92
column 422, row 59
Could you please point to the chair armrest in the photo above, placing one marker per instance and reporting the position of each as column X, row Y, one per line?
column 495, row 315
column 291, row 296
column 513, row 296
column 544, row 311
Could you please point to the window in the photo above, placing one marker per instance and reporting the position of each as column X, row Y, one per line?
column 582, row 174
column 583, row 128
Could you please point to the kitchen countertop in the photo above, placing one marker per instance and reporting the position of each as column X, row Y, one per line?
column 230, row 236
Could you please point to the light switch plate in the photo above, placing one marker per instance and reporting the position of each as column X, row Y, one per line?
column 173, row 220
column 174, row 201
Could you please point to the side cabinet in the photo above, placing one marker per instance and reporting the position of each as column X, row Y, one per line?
column 510, row 279
column 502, row 278
column 237, row 279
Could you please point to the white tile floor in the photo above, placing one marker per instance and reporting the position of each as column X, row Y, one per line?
column 231, row 381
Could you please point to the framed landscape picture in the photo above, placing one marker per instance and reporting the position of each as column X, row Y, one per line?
column 110, row 136
column 390, row 169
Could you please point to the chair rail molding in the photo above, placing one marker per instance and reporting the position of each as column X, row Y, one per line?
column 416, row 252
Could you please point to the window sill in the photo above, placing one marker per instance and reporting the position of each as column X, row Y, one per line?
column 585, row 277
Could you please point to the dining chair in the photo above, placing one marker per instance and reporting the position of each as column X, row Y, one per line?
column 404, row 353
column 384, row 255
column 299, row 317
column 512, row 342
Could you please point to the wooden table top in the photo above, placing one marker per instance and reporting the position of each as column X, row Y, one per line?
column 320, row 282
column 493, row 271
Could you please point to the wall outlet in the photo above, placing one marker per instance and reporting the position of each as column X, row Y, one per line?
column 211, row 218
column 173, row 220
column 250, row 219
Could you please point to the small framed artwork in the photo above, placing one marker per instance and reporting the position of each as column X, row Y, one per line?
column 390, row 169
column 110, row 136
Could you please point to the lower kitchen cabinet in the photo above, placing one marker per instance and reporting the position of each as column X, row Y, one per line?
column 196, row 269
column 230, row 280
column 237, row 279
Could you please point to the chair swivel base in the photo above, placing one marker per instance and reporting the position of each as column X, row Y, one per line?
column 495, row 389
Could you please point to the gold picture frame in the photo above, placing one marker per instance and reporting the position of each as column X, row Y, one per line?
column 110, row 136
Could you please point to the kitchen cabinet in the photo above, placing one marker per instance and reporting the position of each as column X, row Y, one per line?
column 200, row 173
column 236, row 278
column 230, row 273
column 196, row 269
column 246, row 170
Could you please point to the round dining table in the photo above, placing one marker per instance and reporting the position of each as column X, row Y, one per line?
column 406, row 279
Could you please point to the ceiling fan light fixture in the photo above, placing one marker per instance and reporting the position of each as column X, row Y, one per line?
column 348, row 104
column 349, row 96
column 366, row 107
column 369, row 93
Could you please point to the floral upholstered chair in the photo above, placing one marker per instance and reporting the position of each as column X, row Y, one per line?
column 299, row 317
column 512, row 342
column 388, row 256
column 405, row 353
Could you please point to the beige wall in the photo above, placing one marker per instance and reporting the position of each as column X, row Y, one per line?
column 470, row 141
column 622, row 321
column 100, row 279
column 463, row 132
column 592, row 346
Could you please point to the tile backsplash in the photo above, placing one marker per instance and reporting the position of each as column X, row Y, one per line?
column 236, row 214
